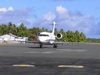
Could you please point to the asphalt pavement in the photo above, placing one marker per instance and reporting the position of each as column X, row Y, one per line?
column 69, row 59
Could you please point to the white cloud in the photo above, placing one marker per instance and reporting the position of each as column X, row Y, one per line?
column 10, row 8
column 16, row 16
column 67, row 20
column 70, row 21
column 64, row 18
column 45, row 21
column 61, row 10
column 49, row 16
column 5, row 9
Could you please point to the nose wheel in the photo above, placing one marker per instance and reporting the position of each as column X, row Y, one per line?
column 55, row 46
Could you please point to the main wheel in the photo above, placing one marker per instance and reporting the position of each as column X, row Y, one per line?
column 41, row 45
column 55, row 46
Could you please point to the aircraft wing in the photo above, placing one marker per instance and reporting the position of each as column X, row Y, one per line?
column 60, row 43
column 29, row 41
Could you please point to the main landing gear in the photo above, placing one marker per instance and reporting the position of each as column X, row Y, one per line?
column 41, row 45
column 55, row 46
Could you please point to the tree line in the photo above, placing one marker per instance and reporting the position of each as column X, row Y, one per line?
column 31, row 33
column 93, row 40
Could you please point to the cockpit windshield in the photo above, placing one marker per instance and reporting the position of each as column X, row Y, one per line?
column 42, row 34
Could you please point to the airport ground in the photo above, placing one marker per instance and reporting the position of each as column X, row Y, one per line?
column 69, row 59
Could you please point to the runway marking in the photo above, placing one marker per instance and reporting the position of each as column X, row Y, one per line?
column 31, row 52
column 70, row 66
column 23, row 65
column 59, row 50
column 74, row 50
column 47, row 52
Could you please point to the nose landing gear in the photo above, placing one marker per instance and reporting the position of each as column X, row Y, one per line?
column 54, row 45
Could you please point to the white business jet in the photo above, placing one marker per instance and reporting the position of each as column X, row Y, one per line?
column 47, row 38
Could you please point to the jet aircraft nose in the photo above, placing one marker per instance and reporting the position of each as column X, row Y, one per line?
column 41, row 39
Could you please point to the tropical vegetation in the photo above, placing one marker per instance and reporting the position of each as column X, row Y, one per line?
column 32, row 33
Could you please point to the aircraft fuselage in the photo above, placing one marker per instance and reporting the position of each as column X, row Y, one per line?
column 46, row 38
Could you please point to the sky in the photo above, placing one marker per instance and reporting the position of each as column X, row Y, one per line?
column 81, row 15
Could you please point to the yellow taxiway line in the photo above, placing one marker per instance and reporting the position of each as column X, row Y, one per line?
column 60, row 66
column 70, row 66
column 23, row 65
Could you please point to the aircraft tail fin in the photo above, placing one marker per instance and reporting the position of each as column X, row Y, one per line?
column 53, row 30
